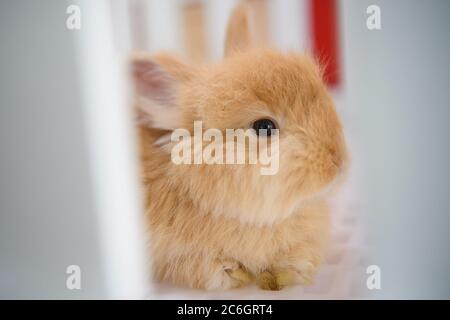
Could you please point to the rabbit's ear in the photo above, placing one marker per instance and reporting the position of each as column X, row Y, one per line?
column 157, row 81
column 238, row 37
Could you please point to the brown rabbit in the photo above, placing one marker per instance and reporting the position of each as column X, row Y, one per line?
column 223, row 226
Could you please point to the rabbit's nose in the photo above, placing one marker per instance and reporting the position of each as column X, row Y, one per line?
column 334, row 155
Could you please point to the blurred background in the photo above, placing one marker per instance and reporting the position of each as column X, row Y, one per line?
column 69, row 191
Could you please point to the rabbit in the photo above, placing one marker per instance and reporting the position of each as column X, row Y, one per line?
column 218, row 227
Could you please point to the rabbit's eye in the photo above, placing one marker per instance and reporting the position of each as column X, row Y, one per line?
column 264, row 124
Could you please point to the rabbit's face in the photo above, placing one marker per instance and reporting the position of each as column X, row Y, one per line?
column 286, row 89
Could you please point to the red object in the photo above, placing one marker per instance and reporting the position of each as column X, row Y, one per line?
column 325, row 40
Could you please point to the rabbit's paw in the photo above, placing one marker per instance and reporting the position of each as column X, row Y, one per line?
column 229, row 274
column 305, row 272
column 267, row 280
column 278, row 278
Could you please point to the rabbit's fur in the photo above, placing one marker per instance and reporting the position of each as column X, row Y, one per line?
column 222, row 226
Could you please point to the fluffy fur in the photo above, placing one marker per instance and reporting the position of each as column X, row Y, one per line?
column 222, row 226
